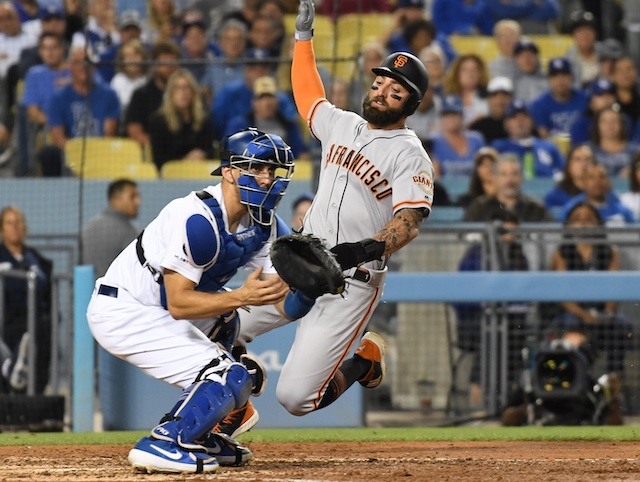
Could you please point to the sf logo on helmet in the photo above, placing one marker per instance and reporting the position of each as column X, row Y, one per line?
column 400, row 61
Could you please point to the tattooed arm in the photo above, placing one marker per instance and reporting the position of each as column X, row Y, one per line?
column 401, row 230
column 398, row 232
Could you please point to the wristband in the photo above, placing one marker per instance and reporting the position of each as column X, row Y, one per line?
column 304, row 34
column 296, row 305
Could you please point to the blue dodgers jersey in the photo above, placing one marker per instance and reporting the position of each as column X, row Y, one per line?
column 558, row 117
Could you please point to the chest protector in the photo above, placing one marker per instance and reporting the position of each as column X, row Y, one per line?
column 235, row 249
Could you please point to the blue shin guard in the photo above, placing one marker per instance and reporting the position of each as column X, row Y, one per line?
column 202, row 405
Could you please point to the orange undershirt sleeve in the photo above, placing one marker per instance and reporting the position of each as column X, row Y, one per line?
column 305, row 79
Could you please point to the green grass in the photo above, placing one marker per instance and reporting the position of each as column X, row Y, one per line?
column 457, row 434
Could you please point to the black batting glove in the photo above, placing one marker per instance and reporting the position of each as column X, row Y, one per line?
column 349, row 255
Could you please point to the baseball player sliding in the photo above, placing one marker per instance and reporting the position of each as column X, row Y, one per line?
column 159, row 305
column 375, row 188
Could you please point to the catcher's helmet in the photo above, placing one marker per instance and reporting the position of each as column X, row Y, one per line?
column 247, row 149
column 409, row 70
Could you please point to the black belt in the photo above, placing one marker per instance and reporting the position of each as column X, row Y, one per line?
column 157, row 275
column 107, row 290
column 362, row 274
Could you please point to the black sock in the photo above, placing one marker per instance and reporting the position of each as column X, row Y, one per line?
column 349, row 372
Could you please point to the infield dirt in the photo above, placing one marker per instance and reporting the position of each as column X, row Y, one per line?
column 357, row 462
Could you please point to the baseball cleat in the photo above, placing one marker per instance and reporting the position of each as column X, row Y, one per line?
column 239, row 421
column 227, row 451
column 155, row 455
column 372, row 348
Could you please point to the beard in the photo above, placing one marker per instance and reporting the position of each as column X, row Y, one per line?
column 380, row 118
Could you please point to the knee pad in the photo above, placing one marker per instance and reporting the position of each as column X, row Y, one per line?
column 203, row 404
column 226, row 330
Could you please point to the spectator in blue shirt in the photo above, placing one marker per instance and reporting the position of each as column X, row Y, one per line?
column 610, row 141
column 602, row 95
column 462, row 17
column 597, row 188
column 42, row 81
column 453, row 149
column 232, row 42
column 67, row 115
column 196, row 48
column 534, row 16
column 412, row 31
column 555, row 111
column 235, row 98
column 539, row 157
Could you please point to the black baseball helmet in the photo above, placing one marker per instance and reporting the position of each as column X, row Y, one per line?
column 409, row 70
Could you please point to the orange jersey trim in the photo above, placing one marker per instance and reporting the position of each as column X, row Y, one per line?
column 371, row 307
column 411, row 204
column 305, row 79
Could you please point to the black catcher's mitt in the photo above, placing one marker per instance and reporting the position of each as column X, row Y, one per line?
column 305, row 263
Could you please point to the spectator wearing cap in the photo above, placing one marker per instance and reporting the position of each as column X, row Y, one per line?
column 454, row 147
column 101, row 30
column 499, row 95
column 196, row 48
column 232, row 43
column 609, row 52
column 506, row 34
column 266, row 116
column 602, row 95
column 539, row 158
column 147, row 99
column 462, row 17
column 129, row 28
column 234, row 98
column 556, row 110
column 534, row 16
column 530, row 81
column 625, row 78
column 583, row 54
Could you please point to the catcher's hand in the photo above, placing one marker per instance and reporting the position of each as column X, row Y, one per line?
column 305, row 263
column 304, row 20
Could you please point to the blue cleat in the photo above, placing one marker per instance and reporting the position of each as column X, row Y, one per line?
column 155, row 455
column 227, row 451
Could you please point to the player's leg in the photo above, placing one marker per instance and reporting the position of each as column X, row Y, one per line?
column 175, row 351
column 317, row 370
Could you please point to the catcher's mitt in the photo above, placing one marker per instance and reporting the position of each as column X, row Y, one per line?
column 305, row 263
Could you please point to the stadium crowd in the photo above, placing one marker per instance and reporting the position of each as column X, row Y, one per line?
column 176, row 76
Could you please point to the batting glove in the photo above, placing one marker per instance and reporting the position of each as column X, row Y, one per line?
column 304, row 20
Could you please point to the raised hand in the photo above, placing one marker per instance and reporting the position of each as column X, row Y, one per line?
column 304, row 20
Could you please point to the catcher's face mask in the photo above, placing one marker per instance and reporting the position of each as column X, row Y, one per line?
column 266, row 167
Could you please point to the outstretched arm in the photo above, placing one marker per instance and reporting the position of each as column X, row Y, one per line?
column 400, row 231
column 305, row 79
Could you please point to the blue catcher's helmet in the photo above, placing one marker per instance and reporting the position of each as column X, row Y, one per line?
column 249, row 151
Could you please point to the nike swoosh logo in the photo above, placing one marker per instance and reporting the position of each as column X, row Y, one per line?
column 172, row 455
column 216, row 449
